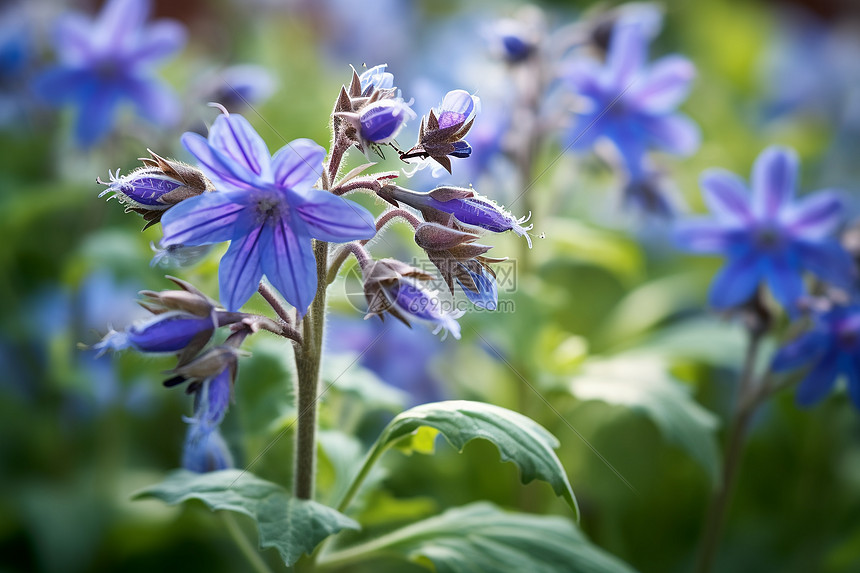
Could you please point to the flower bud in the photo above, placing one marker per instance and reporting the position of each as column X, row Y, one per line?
column 467, row 207
column 171, row 331
column 393, row 287
column 382, row 121
column 205, row 451
column 157, row 186
column 442, row 131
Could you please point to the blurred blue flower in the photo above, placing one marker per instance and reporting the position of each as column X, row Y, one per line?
column 631, row 104
column 109, row 60
column 16, row 55
column 766, row 235
column 205, row 449
column 239, row 86
column 830, row 348
column 266, row 207
column 389, row 349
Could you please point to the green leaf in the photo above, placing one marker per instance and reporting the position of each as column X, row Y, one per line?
column 290, row 525
column 644, row 384
column 481, row 537
column 520, row 439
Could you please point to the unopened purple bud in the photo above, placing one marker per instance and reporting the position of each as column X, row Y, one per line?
column 422, row 304
column 487, row 294
column 456, row 108
column 382, row 121
column 142, row 188
column 461, row 149
column 376, row 78
column 167, row 332
column 516, row 48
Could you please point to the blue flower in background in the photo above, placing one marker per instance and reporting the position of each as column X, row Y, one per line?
column 205, row 449
column 630, row 104
column 266, row 207
column 766, row 235
column 107, row 61
column 832, row 349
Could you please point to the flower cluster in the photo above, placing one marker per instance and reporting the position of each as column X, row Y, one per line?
column 279, row 212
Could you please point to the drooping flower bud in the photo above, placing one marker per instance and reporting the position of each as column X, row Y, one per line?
column 370, row 111
column 189, row 299
column 467, row 207
column 171, row 331
column 443, row 129
column 205, row 449
column 393, row 287
column 459, row 258
column 156, row 187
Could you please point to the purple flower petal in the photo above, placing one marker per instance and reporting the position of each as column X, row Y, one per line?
column 154, row 100
column 852, row 372
column 674, row 133
column 240, row 270
column 803, row 350
column 815, row 216
column 626, row 56
column 828, row 260
column 703, row 236
column 73, row 38
column 773, row 180
column 298, row 165
column 334, row 219
column 234, row 137
column 736, row 282
column 785, row 280
column 161, row 39
column 97, row 112
column 224, row 172
column 119, row 24
column 208, row 218
column 666, row 86
column 726, row 195
column 289, row 263
column 56, row 86
column 820, row 380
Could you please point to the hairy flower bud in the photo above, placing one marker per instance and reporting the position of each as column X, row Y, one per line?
column 168, row 332
column 443, row 129
column 156, row 187
column 466, row 206
column 458, row 257
column 382, row 121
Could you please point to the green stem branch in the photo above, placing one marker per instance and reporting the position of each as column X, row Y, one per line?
column 248, row 550
column 749, row 398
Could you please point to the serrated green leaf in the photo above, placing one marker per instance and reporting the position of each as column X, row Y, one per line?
column 290, row 525
column 520, row 439
column 482, row 538
column 644, row 384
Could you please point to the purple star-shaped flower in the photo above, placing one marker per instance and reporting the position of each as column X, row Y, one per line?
column 266, row 207
column 108, row 60
column 766, row 235
column 631, row 104
column 832, row 348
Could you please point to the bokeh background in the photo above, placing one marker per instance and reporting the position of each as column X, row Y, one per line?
column 79, row 434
